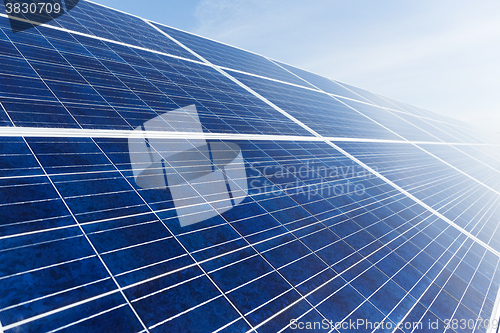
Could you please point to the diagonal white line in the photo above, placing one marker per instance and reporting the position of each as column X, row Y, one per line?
column 72, row 305
column 457, row 169
column 429, row 208
column 316, row 138
column 100, row 38
column 361, row 100
column 360, row 163
column 495, row 314
column 103, row 133
column 100, row 133
column 402, row 137
column 376, row 173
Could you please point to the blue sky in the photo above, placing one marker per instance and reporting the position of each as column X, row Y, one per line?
column 441, row 55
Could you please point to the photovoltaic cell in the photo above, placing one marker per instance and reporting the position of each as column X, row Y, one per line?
column 368, row 95
column 358, row 207
column 463, row 200
column 322, row 83
column 233, row 58
column 336, row 118
column 391, row 121
column 70, row 90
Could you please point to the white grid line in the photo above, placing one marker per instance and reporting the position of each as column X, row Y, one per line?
column 89, row 242
column 210, row 65
column 323, row 139
column 298, row 122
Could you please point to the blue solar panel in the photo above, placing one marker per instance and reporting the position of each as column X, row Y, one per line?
column 151, row 187
column 322, row 83
column 335, row 118
column 233, row 58
column 462, row 199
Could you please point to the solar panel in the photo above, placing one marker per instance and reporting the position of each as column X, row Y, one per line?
column 152, row 180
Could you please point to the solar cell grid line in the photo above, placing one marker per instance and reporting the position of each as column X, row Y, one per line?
column 407, row 108
column 487, row 157
column 446, row 130
column 459, row 196
column 400, row 116
column 76, row 70
column 295, row 229
column 320, row 82
column 5, row 116
column 88, row 240
column 496, row 181
column 412, row 165
column 423, row 186
column 236, row 81
column 439, row 190
column 73, row 32
column 310, row 88
column 373, row 294
column 313, row 291
column 418, row 200
column 320, row 250
column 425, row 122
column 101, row 24
column 429, row 128
column 98, row 93
column 356, row 98
column 274, row 268
column 223, row 294
column 364, row 113
column 471, row 185
column 440, row 293
column 404, row 128
column 370, row 96
column 221, row 54
column 466, row 135
column 455, row 157
column 415, row 284
column 348, row 102
column 247, row 118
column 456, row 205
column 454, row 315
column 495, row 313
column 45, row 84
column 418, row 168
column 409, row 313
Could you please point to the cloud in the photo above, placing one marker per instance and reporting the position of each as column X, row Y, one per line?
column 439, row 55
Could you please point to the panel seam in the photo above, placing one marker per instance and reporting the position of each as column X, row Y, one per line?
column 388, row 129
column 310, row 130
